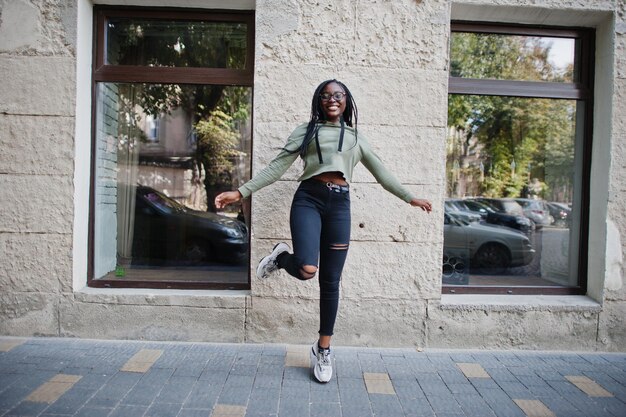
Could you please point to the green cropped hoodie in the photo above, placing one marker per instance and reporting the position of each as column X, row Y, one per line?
column 325, row 154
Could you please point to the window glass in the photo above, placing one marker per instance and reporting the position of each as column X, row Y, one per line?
column 517, row 169
column 511, row 217
column 165, row 43
column 512, row 57
column 163, row 151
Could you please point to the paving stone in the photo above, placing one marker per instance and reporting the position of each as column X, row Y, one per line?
column 202, row 396
column 386, row 405
column 53, row 389
column 399, row 372
column 534, row 408
column 443, row 405
column 472, row 370
column 498, row 400
column 95, row 412
column 163, row 410
column 378, row 383
column 325, row 409
column 264, row 401
column 408, row 389
column 194, row 412
column 516, row 390
column 10, row 344
column 142, row 361
column 588, row 386
column 290, row 409
column 432, row 384
column 27, row 409
column 453, row 377
column 71, row 401
column 129, row 410
column 473, row 405
column 466, row 388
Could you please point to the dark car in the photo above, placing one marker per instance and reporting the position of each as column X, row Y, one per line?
column 167, row 232
column 561, row 213
column 500, row 217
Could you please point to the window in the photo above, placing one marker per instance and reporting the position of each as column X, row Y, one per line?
column 172, row 129
column 518, row 160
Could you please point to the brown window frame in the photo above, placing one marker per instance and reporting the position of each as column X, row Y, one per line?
column 581, row 90
column 103, row 72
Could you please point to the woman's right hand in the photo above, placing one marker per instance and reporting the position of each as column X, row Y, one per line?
column 226, row 198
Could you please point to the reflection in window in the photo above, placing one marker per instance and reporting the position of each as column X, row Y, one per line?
column 511, row 182
column 154, row 205
column 523, row 58
column 517, row 168
column 166, row 43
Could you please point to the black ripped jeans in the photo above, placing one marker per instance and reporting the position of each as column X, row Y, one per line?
column 320, row 228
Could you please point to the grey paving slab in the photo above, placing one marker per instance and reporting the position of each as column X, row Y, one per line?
column 190, row 379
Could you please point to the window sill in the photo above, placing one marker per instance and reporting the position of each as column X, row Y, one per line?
column 164, row 297
column 578, row 303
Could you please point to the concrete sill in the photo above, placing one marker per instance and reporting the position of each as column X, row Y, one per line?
column 575, row 303
column 164, row 297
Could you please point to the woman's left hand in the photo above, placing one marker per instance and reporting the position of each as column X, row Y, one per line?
column 423, row 204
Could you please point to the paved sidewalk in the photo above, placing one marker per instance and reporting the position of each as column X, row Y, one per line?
column 93, row 378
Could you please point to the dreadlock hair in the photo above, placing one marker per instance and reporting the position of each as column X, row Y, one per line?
column 350, row 115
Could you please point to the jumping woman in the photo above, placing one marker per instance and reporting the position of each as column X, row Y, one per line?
column 330, row 147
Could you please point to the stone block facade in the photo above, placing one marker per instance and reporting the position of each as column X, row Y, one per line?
column 393, row 55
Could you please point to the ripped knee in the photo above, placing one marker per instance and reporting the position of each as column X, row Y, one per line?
column 307, row 271
column 339, row 246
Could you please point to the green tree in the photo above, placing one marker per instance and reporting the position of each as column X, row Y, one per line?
column 513, row 137
column 216, row 111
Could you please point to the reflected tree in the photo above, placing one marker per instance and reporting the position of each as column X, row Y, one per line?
column 510, row 137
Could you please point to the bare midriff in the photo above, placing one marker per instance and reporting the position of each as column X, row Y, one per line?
column 333, row 176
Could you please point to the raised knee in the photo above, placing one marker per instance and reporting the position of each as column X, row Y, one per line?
column 308, row 271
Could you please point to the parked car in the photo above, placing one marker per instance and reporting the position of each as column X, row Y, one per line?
column 480, row 246
column 501, row 213
column 452, row 206
column 166, row 231
column 561, row 213
column 537, row 211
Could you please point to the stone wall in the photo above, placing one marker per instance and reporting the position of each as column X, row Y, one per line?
column 393, row 57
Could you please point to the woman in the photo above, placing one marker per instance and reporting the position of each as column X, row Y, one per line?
column 320, row 212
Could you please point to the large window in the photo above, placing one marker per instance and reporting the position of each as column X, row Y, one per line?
column 518, row 152
column 172, row 128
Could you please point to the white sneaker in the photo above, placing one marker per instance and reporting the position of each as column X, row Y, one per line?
column 269, row 264
column 323, row 370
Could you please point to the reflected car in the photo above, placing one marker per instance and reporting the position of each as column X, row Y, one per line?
column 491, row 249
column 511, row 216
column 537, row 211
column 561, row 213
column 167, row 232
column 452, row 206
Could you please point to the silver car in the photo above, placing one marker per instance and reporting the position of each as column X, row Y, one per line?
column 490, row 248
column 537, row 211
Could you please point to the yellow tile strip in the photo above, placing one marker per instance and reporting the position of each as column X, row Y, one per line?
column 378, row 383
column 534, row 408
column 473, row 370
column 142, row 360
column 222, row 410
column 299, row 356
column 50, row 391
column 588, row 386
column 7, row 345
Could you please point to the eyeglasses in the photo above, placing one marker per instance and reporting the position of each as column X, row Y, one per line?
column 337, row 96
